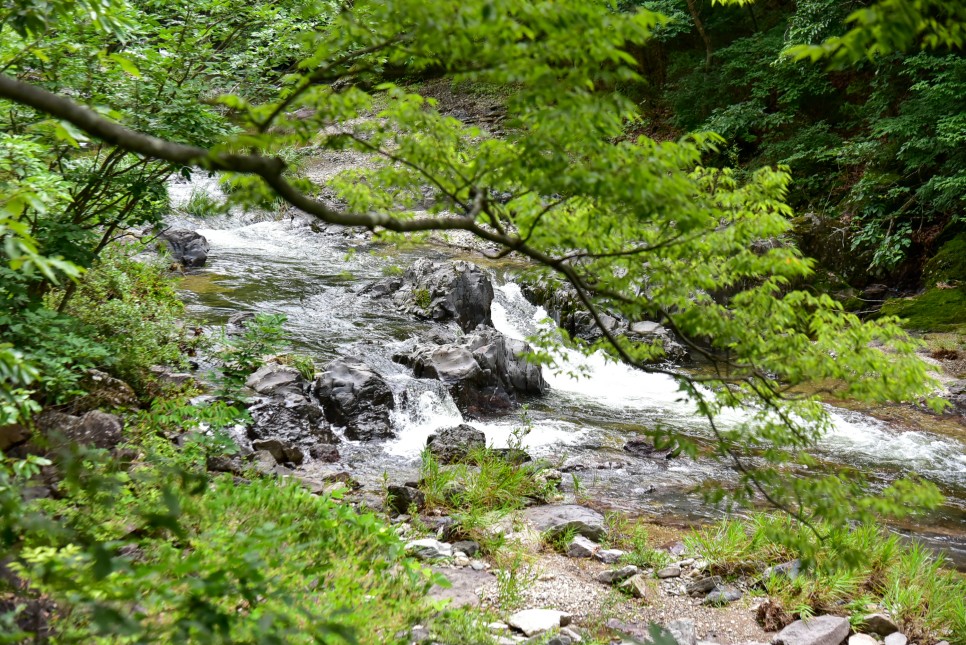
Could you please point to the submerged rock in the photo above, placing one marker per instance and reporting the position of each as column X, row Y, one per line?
column 188, row 248
column 357, row 398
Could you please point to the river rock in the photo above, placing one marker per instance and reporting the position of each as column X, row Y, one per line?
column 357, row 398
column 819, row 630
column 281, row 451
column 453, row 445
column 429, row 549
column 862, row 639
column 12, row 434
column 402, row 498
column 613, row 576
column 553, row 520
column 458, row 290
column 721, row 596
column 581, row 547
column 957, row 396
column 640, row 586
column 896, row 638
column 464, row 586
column 103, row 392
column 95, row 428
column 880, row 624
column 669, row 572
column 325, row 452
column 188, row 248
column 272, row 379
column 536, row 621
column 789, row 570
column 484, row 371
column 469, row 547
column 292, row 419
column 608, row 556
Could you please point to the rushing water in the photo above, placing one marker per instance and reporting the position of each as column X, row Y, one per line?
column 284, row 266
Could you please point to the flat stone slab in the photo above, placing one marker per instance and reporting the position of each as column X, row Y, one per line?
column 820, row 630
column 553, row 520
column 464, row 584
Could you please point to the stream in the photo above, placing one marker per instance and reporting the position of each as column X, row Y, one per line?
column 273, row 264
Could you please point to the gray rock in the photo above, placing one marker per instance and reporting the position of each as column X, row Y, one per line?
column 608, row 556
column 554, row 520
column 703, row 586
column 789, row 569
column 97, row 429
column 642, row 587
column 469, row 547
column 104, row 392
column 613, row 576
column 325, row 452
column 274, row 379
column 537, row 621
column 443, row 291
column 188, row 248
column 402, row 498
column 669, row 572
column 880, row 624
column 291, row 418
column 357, row 398
column 862, row 639
column 581, row 547
column 429, row 549
column 453, row 445
column 722, row 595
column 281, row 451
column 263, row 462
column 464, row 588
column 896, row 638
column 820, row 630
column 683, row 631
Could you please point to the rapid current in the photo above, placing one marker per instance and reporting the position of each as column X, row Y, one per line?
column 273, row 264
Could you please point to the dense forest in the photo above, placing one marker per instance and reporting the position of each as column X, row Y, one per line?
column 483, row 321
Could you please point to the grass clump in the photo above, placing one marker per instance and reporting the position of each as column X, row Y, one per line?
column 201, row 203
column 632, row 536
column 844, row 570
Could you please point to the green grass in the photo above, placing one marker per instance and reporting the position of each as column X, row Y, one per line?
column 632, row 536
column 844, row 571
column 201, row 204
column 934, row 310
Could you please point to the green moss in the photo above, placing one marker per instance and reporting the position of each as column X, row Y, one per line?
column 949, row 264
column 934, row 310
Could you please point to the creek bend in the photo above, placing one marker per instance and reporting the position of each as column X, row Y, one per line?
column 270, row 264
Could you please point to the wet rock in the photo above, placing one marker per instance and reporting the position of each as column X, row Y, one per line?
column 581, row 547
column 669, row 572
column 325, row 452
column 957, row 396
column 281, row 451
column 465, row 585
column 608, row 556
column 403, row 498
column 238, row 322
column 357, row 398
column 429, row 549
column 188, row 248
column 537, row 621
column 291, row 418
column 683, row 631
column 614, row 576
column 273, row 379
column 880, row 624
column 640, row 586
column 819, row 630
column 453, row 445
column 644, row 447
column 484, row 371
column 553, row 520
column 721, row 596
column 646, row 331
column 443, row 291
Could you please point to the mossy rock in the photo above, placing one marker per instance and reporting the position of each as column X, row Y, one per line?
column 948, row 265
column 934, row 310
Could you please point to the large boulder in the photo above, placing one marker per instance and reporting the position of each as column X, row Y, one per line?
column 555, row 520
column 357, row 398
column 820, row 630
column 484, row 371
column 441, row 291
column 188, row 248
column 274, row 379
column 453, row 445
column 96, row 429
column 295, row 421
column 103, row 392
